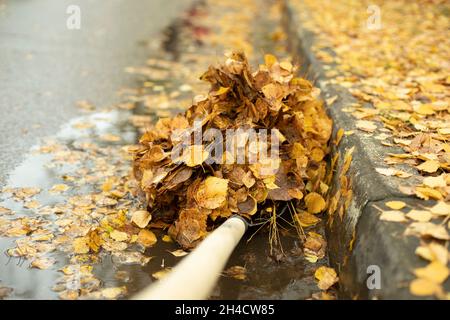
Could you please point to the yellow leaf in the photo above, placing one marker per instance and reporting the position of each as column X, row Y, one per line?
column 146, row 238
column 59, row 188
column 423, row 287
column 435, row 272
column 435, row 182
column 327, row 277
column 179, row 253
column 212, row 192
column 80, row 245
column 167, row 238
column 306, row 219
column 419, row 215
column 113, row 293
column 118, row 235
column 160, row 274
column 429, row 166
column 269, row 60
column 427, row 193
column 393, row 216
column 141, row 218
column 441, row 209
column 43, row 263
column 395, row 205
column 314, row 202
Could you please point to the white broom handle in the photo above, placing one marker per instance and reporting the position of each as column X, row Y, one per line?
column 195, row 276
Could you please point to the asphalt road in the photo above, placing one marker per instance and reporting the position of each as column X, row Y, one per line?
column 45, row 68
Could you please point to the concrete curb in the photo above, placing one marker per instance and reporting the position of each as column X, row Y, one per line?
column 358, row 239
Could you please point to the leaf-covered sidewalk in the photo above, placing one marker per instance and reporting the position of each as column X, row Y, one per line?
column 393, row 57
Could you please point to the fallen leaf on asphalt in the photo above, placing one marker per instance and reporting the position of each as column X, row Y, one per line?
column 80, row 245
column 424, row 287
column 433, row 252
column 365, row 125
column 393, row 172
column 441, row 209
column 435, row 272
column 179, row 253
column 434, row 182
column 428, row 193
column 119, row 235
column 393, row 216
column 427, row 229
column 419, row 215
column 141, row 218
column 395, row 205
column 146, row 238
column 158, row 275
column 429, row 166
column 113, row 293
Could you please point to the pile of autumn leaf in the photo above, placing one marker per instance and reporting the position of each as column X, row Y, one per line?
column 191, row 197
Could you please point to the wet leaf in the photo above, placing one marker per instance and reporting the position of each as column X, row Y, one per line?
column 327, row 277
column 146, row 238
column 141, row 218
column 158, row 275
column 42, row 263
column 119, row 235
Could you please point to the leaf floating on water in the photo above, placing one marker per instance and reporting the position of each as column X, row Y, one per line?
column 119, row 235
column 179, row 253
column 141, row 218
column 113, row 293
column 158, row 275
column 146, row 238
column 327, row 277
column 42, row 263
column 236, row 272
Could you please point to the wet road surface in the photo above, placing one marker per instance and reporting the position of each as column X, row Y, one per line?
column 45, row 68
